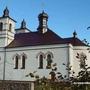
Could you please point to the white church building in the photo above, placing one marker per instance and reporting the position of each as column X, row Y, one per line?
column 23, row 51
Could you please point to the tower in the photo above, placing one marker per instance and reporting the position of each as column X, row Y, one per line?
column 43, row 18
column 7, row 28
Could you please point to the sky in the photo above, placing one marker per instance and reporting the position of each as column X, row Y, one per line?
column 65, row 16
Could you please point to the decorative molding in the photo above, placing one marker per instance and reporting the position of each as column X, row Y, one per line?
column 49, row 53
column 40, row 53
column 15, row 56
column 23, row 54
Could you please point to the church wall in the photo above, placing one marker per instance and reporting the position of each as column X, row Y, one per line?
column 76, row 61
column 6, row 35
column 2, row 42
column 6, row 22
column 60, row 56
column 70, row 54
column 5, row 38
column 2, row 55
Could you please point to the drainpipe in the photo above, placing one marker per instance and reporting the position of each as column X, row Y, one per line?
column 4, row 69
column 4, row 64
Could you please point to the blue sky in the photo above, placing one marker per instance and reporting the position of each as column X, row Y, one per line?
column 65, row 16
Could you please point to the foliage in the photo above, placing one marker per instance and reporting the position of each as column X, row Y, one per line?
column 60, row 82
column 84, row 73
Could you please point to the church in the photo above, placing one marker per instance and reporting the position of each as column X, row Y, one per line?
column 23, row 51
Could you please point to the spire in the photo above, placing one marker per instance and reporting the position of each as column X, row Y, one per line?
column 6, row 12
column 74, row 34
column 43, row 18
column 23, row 24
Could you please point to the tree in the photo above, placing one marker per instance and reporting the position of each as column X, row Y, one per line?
column 84, row 73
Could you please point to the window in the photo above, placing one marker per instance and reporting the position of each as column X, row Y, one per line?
column 10, row 27
column 16, row 62
column 20, row 62
column 49, row 56
column 40, row 61
column 1, row 26
column 41, row 57
column 23, row 62
column 49, row 61
column 16, row 58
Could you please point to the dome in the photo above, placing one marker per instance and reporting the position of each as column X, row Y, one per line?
column 23, row 24
column 6, row 12
column 43, row 14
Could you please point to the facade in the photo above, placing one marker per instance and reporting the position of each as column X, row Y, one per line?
column 23, row 51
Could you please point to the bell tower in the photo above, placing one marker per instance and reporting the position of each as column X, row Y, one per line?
column 7, row 28
column 43, row 18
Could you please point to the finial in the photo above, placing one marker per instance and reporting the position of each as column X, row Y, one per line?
column 23, row 24
column 74, row 34
column 6, row 12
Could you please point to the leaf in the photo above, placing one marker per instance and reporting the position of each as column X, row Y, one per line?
column 77, row 56
column 31, row 74
column 58, row 73
column 55, row 68
column 65, row 76
column 73, row 72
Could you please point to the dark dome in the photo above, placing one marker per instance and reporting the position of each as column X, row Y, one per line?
column 43, row 14
column 6, row 12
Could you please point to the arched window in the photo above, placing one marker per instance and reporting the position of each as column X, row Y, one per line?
column 24, row 57
column 40, row 57
column 41, row 62
column 16, row 58
column 16, row 62
column 23, row 62
column 10, row 27
column 49, row 61
column 49, row 56
column 1, row 26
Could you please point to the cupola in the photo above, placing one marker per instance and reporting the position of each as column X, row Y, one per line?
column 7, row 28
column 6, row 12
column 43, row 18
column 23, row 24
column 23, row 28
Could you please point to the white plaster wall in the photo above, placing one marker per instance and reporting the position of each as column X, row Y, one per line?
column 6, row 22
column 2, row 55
column 6, row 36
column 71, row 56
column 76, row 62
column 2, row 42
column 60, row 53
column 22, row 31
